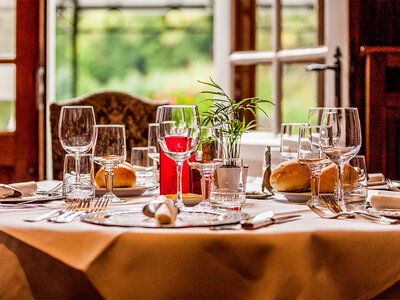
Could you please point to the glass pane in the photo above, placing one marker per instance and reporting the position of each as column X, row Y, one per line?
column 158, row 53
column 264, row 25
column 7, row 28
column 299, row 24
column 264, row 90
column 299, row 93
column 7, row 97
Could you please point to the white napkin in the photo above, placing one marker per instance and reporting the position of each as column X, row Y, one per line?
column 386, row 200
column 375, row 179
column 26, row 188
column 166, row 212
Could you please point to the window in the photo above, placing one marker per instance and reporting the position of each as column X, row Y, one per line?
column 157, row 49
column 274, row 40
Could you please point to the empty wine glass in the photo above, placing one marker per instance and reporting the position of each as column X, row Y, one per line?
column 76, row 131
column 289, row 139
column 207, row 158
column 180, row 139
column 310, row 154
column 108, row 151
column 341, row 141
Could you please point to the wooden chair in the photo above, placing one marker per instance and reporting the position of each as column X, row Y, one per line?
column 110, row 107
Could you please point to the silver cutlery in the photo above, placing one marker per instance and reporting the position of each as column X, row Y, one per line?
column 45, row 216
column 390, row 184
column 265, row 219
column 337, row 212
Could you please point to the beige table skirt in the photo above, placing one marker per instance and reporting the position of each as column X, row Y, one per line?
column 307, row 259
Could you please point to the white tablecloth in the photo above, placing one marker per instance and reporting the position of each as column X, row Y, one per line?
column 308, row 258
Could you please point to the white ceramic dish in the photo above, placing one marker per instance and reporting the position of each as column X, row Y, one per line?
column 296, row 197
column 126, row 192
column 31, row 199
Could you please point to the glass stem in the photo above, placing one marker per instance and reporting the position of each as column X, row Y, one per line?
column 77, row 168
column 109, row 180
column 315, row 181
column 179, row 201
column 203, row 188
column 339, row 191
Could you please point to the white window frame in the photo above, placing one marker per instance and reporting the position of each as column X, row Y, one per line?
column 336, row 34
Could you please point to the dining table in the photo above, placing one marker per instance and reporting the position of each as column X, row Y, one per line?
column 307, row 258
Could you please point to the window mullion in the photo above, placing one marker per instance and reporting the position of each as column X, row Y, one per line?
column 276, row 65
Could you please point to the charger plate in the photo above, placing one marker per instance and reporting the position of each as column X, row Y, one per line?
column 126, row 192
column 391, row 213
column 186, row 218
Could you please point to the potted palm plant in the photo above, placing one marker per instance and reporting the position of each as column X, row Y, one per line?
column 228, row 188
column 230, row 114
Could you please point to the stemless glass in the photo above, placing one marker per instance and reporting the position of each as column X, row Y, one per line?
column 152, row 142
column 76, row 131
column 341, row 141
column 310, row 154
column 108, row 151
column 289, row 139
column 207, row 158
column 179, row 139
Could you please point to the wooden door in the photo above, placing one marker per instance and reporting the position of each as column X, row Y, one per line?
column 382, row 90
column 23, row 66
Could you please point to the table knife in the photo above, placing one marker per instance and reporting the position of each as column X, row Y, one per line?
column 266, row 218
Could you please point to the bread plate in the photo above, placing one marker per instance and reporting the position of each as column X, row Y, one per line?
column 126, row 191
column 296, row 197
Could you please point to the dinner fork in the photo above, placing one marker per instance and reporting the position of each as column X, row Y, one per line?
column 391, row 185
column 100, row 205
column 71, row 208
column 338, row 212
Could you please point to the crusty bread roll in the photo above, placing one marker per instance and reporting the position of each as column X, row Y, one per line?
column 290, row 176
column 329, row 177
column 124, row 176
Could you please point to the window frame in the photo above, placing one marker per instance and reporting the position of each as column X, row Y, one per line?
column 331, row 34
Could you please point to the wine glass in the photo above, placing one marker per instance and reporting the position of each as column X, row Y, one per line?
column 207, row 158
column 108, row 151
column 310, row 154
column 289, row 139
column 341, row 141
column 76, row 131
column 180, row 139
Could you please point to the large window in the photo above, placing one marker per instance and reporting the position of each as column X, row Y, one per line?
column 289, row 34
column 157, row 49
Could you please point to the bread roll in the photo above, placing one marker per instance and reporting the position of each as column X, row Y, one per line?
column 124, row 176
column 290, row 176
column 329, row 176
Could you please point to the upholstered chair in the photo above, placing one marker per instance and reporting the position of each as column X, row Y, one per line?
column 110, row 107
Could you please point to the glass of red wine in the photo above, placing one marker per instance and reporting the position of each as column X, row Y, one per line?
column 180, row 138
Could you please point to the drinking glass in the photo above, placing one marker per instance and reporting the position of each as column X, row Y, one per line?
column 207, row 158
column 144, row 167
column 76, row 131
column 310, row 154
column 341, row 141
column 356, row 194
column 108, row 151
column 289, row 139
column 152, row 142
column 180, row 139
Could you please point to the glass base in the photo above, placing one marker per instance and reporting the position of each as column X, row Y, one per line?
column 113, row 198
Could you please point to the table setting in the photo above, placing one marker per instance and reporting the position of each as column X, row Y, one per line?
column 193, row 214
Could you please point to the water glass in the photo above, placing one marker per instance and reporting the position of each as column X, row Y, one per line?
column 228, row 188
column 83, row 186
column 145, row 167
column 356, row 195
column 289, row 139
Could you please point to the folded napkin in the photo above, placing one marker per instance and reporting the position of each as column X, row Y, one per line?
column 375, row 179
column 386, row 200
column 162, row 209
column 26, row 188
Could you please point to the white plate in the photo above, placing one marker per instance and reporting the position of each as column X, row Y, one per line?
column 126, row 192
column 296, row 197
